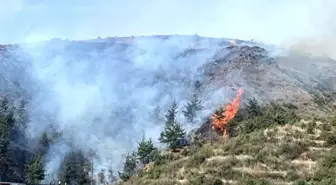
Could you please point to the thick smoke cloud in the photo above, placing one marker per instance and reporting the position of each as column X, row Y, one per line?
column 102, row 95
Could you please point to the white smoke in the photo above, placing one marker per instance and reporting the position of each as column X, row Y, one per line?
column 102, row 95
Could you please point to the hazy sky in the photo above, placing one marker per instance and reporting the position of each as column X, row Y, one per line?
column 269, row 20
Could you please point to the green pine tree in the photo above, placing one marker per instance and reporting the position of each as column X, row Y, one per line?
column 44, row 143
column 13, row 158
column 253, row 109
column 75, row 168
column 173, row 131
column 146, row 150
column 35, row 170
column 191, row 108
column 22, row 115
column 171, row 113
column 130, row 165
column 6, row 129
column 6, row 125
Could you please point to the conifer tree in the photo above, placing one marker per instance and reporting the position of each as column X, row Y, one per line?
column 6, row 127
column 22, row 115
column 13, row 157
column 173, row 131
column 44, row 143
column 75, row 168
column 253, row 108
column 171, row 113
column 146, row 151
column 191, row 108
column 130, row 165
column 35, row 170
column 7, row 122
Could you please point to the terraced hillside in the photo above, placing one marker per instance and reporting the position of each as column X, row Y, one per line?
column 283, row 155
column 268, row 144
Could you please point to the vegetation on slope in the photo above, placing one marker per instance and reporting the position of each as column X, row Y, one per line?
column 269, row 144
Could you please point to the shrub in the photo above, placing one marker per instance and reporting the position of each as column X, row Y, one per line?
column 292, row 150
column 251, row 181
column 201, row 179
column 255, row 117
column 330, row 139
column 196, row 160
column 301, row 182
column 311, row 127
column 327, row 168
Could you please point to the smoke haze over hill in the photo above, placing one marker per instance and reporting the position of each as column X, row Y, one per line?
column 102, row 95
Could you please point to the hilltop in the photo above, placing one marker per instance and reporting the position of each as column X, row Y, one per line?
column 95, row 94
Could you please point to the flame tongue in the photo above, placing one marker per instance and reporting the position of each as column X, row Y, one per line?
column 220, row 121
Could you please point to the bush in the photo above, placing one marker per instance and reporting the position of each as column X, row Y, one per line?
column 292, row 150
column 327, row 168
column 255, row 117
column 201, row 179
column 301, row 182
column 311, row 127
column 155, row 172
column 199, row 157
column 330, row 139
column 333, row 123
column 255, row 182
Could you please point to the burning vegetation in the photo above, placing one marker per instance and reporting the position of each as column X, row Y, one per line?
column 222, row 118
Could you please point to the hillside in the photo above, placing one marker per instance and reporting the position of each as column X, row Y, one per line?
column 278, row 155
column 77, row 101
column 298, row 149
column 268, row 144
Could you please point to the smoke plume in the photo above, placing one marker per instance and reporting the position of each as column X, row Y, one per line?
column 102, row 95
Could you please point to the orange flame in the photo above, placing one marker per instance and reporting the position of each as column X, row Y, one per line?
column 220, row 121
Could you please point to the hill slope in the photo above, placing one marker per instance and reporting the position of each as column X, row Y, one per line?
column 275, row 154
column 100, row 92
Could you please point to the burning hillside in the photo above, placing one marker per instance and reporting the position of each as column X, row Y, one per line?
column 96, row 94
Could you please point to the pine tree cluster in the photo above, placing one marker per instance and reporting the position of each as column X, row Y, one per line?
column 76, row 166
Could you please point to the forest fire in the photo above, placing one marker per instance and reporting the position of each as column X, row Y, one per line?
column 220, row 121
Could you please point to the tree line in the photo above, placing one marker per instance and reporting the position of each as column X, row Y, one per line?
column 20, row 162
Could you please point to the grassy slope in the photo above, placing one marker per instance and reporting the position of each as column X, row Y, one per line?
column 277, row 155
column 275, row 147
